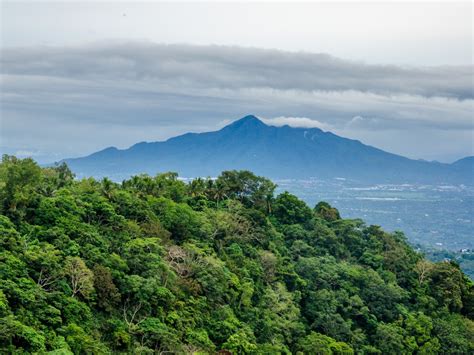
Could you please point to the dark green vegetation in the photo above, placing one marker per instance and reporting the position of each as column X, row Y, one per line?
column 155, row 264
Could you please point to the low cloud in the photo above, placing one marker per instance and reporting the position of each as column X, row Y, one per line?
column 363, row 122
column 75, row 100
column 303, row 122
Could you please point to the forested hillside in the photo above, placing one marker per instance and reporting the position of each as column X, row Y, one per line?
column 155, row 264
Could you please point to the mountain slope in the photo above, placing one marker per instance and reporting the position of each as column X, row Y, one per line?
column 465, row 166
column 278, row 152
column 155, row 265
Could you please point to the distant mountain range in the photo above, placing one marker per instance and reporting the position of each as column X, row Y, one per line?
column 275, row 152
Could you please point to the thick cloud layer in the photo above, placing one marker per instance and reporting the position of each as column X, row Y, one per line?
column 84, row 98
column 235, row 68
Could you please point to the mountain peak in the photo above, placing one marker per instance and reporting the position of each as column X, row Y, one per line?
column 249, row 118
column 247, row 121
column 278, row 152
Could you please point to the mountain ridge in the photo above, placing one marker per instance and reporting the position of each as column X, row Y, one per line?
column 277, row 152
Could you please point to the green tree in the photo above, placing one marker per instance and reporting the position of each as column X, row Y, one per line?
column 81, row 279
column 316, row 343
column 108, row 296
column 288, row 209
column 19, row 182
column 326, row 212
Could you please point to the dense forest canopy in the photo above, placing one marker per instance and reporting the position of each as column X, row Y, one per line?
column 155, row 264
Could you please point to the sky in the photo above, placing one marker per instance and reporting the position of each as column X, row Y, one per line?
column 77, row 77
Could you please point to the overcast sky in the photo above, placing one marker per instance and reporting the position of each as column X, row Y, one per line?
column 80, row 76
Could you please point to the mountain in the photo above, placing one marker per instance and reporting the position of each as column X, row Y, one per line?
column 465, row 166
column 276, row 152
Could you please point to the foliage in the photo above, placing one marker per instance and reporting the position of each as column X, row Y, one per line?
column 156, row 264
